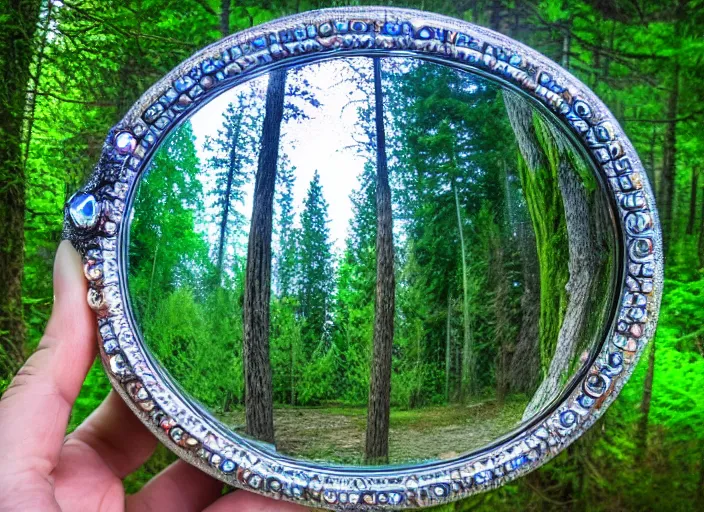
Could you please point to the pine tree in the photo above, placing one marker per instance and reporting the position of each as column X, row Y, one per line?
column 316, row 276
column 286, row 330
column 233, row 151
column 288, row 234
column 356, row 277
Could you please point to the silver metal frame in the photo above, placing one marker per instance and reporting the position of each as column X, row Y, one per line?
column 196, row 436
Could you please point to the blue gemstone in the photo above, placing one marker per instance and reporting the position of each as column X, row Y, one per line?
column 425, row 33
column 208, row 67
column 228, row 466
column 582, row 109
column 184, row 83
column 392, row 29
column 585, row 401
column 359, row 26
column 83, row 209
column 516, row 463
column 110, row 346
column 568, row 418
column 483, row 477
column 616, row 359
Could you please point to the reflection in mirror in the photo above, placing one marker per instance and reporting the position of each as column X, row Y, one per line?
column 371, row 260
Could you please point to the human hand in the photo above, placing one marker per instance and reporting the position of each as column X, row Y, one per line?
column 42, row 469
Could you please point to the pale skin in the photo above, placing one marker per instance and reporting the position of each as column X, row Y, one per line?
column 43, row 469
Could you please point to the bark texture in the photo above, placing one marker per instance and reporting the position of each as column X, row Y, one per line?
column 539, row 180
column 669, row 163
column 377, row 439
column 642, row 435
column 583, row 267
column 225, row 6
column 257, row 367
column 468, row 380
column 583, row 271
column 502, row 322
column 701, row 238
column 691, row 221
column 525, row 363
column 448, row 346
column 16, row 45
column 542, row 145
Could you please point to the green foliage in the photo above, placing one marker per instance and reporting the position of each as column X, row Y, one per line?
column 315, row 285
column 101, row 56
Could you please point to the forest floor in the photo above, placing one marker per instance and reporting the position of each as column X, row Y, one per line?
column 335, row 433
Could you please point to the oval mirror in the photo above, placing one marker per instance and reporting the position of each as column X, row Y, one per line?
column 369, row 258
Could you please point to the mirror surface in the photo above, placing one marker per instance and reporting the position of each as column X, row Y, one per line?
column 469, row 219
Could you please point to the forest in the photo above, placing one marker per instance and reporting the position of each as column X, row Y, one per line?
column 482, row 324
column 78, row 66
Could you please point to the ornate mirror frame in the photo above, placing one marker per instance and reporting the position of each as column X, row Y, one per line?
column 97, row 220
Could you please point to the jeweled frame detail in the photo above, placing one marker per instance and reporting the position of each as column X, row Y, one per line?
column 192, row 433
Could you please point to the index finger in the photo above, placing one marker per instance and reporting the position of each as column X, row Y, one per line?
column 35, row 409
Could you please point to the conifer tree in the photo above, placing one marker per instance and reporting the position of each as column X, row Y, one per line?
column 257, row 366
column 379, row 409
column 287, row 266
column 316, row 276
column 233, row 153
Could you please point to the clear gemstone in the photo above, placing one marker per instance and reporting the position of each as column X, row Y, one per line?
column 83, row 209
column 118, row 364
column 125, row 142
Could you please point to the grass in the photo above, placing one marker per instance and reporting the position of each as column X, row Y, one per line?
column 335, row 432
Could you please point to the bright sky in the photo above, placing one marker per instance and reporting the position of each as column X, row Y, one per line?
column 323, row 142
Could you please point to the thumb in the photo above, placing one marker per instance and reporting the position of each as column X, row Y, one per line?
column 35, row 409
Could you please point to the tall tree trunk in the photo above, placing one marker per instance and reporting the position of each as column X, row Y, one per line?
column 292, row 373
column 650, row 170
column 552, row 150
column 501, row 316
column 468, row 387
column 448, row 346
column 583, row 267
column 693, row 201
column 669, row 163
column 148, row 311
column 642, row 433
column 525, row 364
column 566, row 47
column 227, row 201
column 495, row 15
column 502, row 290
column 699, row 499
column 32, row 96
column 16, row 45
column 701, row 236
column 257, row 366
column 377, row 440
column 225, row 17
column 540, row 183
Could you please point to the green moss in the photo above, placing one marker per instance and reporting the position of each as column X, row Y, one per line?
column 544, row 203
